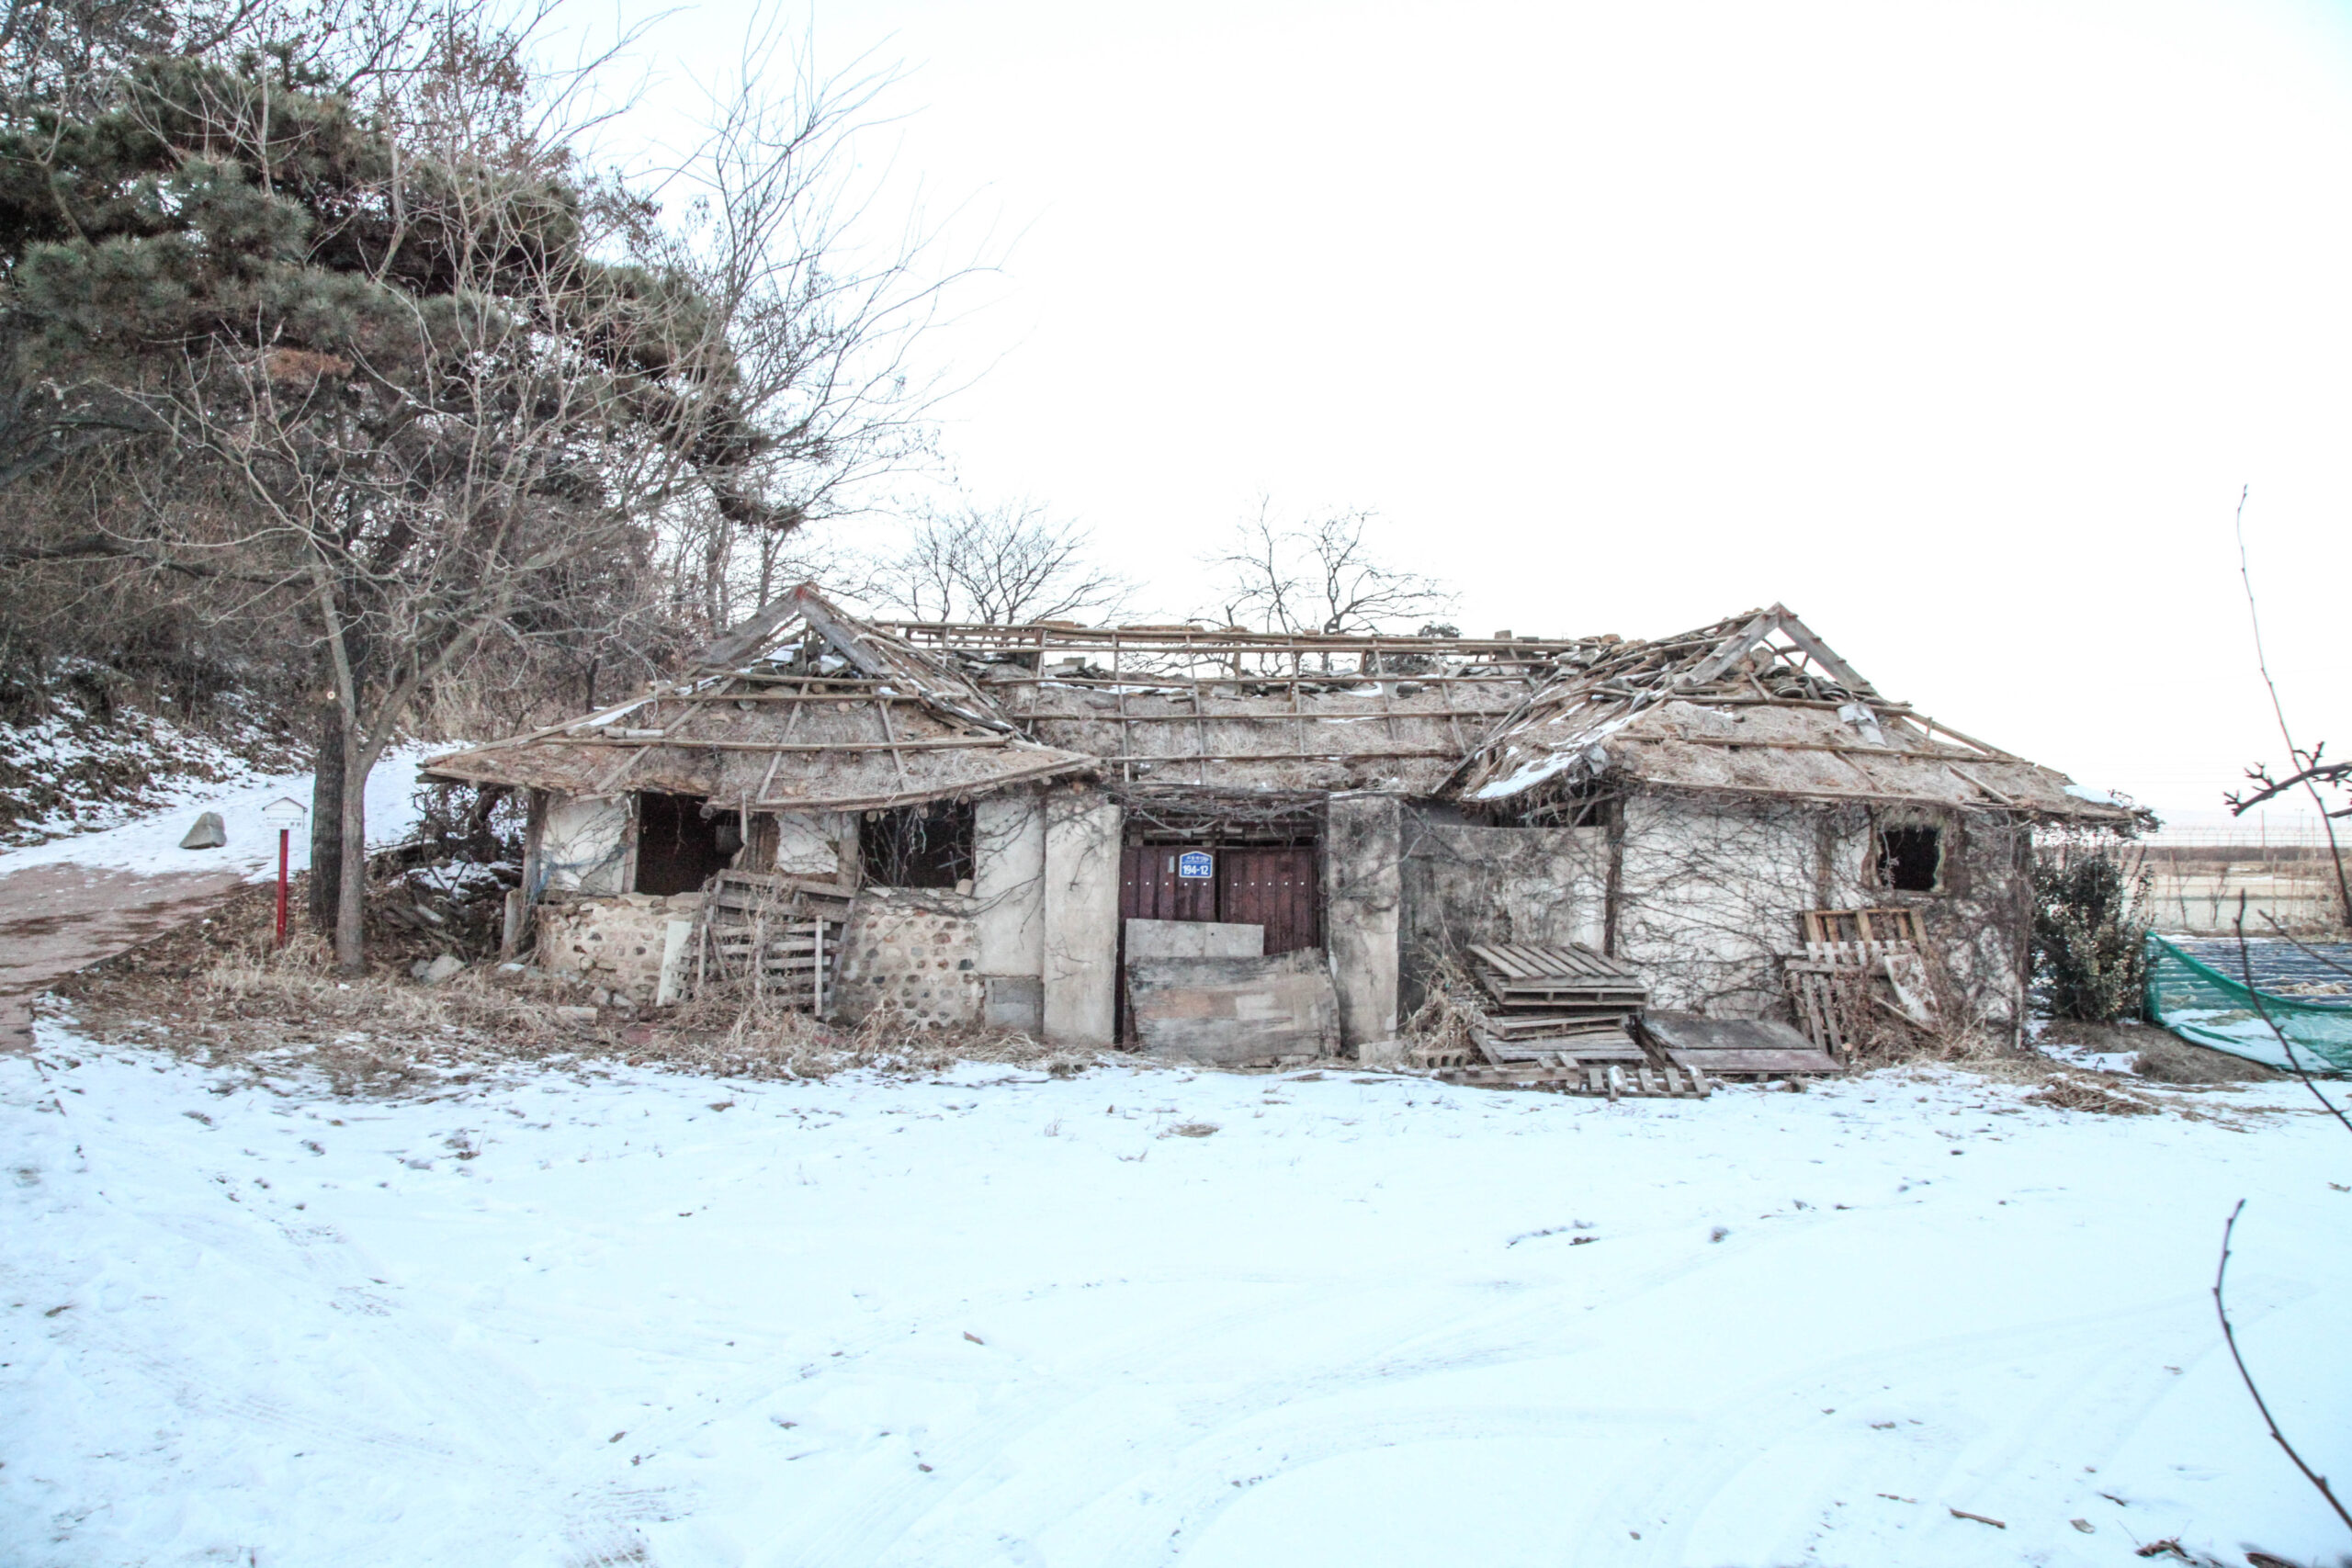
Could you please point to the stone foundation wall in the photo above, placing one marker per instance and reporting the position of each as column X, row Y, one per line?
column 614, row 943
column 920, row 951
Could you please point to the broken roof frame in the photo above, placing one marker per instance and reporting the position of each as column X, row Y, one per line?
column 922, row 708
column 1483, row 720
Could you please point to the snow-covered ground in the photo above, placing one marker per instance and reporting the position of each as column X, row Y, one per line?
column 1004, row 1319
column 148, row 842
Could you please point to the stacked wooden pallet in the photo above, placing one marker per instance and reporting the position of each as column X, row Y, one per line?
column 1549, row 1001
column 1557, row 1017
column 782, row 934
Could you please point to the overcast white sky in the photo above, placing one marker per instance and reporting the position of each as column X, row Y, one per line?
column 1956, row 327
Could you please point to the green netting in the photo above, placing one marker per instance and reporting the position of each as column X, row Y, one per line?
column 2199, row 1003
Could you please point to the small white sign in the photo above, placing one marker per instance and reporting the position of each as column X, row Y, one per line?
column 284, row 812
column 1195, row 864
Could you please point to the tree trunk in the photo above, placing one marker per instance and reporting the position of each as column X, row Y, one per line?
column 350, row 951
column 326, row 822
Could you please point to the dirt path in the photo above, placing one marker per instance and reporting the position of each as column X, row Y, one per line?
column 55, row 918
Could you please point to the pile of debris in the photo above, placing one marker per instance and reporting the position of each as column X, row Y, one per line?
column 1559, row 1018
column 1566, row 1018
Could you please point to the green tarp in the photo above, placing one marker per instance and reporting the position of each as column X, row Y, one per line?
column 2207, row 1006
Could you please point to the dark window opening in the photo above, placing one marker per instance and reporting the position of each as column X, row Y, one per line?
column 1910, row 860
column 917, row 846
column 681, row 841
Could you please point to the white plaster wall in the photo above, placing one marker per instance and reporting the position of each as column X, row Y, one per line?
column 1082, row 915
column 1712, row 891
column 1009, row 882
column 584, row 845
column 1708, row 896
column 810, row 843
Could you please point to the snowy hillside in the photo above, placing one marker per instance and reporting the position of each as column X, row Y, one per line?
column 1003, row 1319
column 148, row 841
column 79, row 769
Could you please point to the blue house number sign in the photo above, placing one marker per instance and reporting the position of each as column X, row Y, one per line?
column 1196, row 863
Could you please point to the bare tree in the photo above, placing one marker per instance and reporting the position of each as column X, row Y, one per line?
column 822, row 326
column 998, row 566
column 2305, row 767
column 1319, row 575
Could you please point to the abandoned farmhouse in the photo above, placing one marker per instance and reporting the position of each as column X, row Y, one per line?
column 1049, row 828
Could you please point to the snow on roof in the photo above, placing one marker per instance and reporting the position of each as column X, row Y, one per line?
column 1753, row 705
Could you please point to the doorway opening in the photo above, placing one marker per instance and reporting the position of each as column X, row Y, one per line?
column 681, row 841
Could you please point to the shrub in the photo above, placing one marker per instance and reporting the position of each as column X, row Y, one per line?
column 2090, row 946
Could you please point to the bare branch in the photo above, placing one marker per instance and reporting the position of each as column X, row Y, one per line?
column 2221, row 1309
column 1319, row 576
column 997, row 566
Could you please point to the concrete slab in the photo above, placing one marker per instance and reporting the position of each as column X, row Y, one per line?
column 1229, row 1010
column 1193, row 939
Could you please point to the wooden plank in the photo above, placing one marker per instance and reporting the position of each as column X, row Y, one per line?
column 1495, row 957
column 1758, row 1063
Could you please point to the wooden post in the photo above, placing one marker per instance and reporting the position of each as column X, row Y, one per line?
column 284, row 836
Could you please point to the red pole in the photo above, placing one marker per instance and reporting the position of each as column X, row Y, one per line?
column 282, row 835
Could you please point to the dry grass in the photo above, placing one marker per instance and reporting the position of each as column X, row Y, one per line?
column 2082, row 1090
column 1439, row 1033
column 217, row 992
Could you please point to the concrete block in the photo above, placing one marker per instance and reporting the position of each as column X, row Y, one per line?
column 676, row 936
column 1193, row 939
column 1224, row 1011
column 1363, row 902
column 1013, row 1002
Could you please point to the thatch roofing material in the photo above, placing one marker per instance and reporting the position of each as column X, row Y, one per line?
column 852, row 719
column 1755, row 704
column 854, row 716
column 1391, row 734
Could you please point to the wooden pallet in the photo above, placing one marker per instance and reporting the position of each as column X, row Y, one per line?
column 1551, row 1026
column 1735, row 1048
column 1813, row 992
column 782, row 934
column 1601, row 1046
column 1887, row 945
column 1563, row 982
column 1613, row 1080
column 1863, row 926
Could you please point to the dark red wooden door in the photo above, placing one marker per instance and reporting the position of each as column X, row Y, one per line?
column 1273, row 888
column 1150, row 888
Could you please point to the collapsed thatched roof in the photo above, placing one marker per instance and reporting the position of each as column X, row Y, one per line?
column 1755, row 704
column 1259, row 713
column 799, row 710
column 803, row 707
